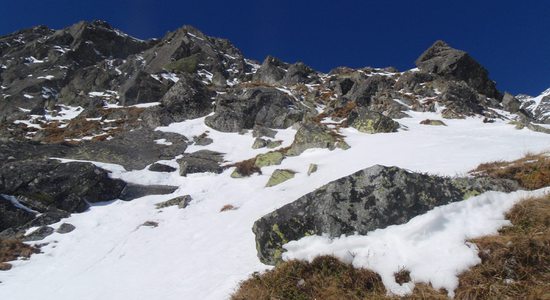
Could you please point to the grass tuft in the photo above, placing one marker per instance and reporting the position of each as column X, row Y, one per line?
column 11, row 249
column 531, row 172
column 246, row 167
column 324, row 278
column 515, row 265
column 228, row 207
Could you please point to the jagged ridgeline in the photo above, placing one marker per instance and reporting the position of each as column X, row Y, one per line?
column 92, row 92
column 92, row 65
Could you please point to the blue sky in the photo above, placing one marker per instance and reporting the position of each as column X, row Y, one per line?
column 510, row 38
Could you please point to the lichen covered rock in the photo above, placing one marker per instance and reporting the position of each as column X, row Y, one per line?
column 269, row 159
column 279, row 176
column 372, row 198
column 312, row 135
column 371, row 122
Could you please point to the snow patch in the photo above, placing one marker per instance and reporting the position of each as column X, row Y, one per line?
column 432, row 246
column 163, row 142
column 47, row 77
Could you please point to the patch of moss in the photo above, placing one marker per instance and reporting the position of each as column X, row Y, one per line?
column 187, row 64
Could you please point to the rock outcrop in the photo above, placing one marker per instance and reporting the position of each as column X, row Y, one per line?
column 372, row 198
column 371, row 121
column 455, row 64
column 200, row 162
column 90, row 92
column 263, row 106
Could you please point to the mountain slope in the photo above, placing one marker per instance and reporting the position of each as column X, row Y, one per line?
column 177, row 116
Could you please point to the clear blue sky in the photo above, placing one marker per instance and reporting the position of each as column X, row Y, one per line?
column 510, row 38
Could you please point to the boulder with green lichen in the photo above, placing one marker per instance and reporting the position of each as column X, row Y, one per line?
column 279, row 176
column 313, row 135
column 274, row 144
column 312, row 169
column 259, row 143
column 369, row 199
column 268, row 159
column 368, row 121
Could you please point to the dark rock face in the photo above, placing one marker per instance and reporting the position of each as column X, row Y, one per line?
column 46, row 191
column 11, row 215
column 271, row 71
column 143, row 88
column 373, row 198
column 134, row 191
column 200, row 162
column 364, row 91
column 299, row 73
column 265, row 106
column 40, row 52
column 371, row 121
column 461, row 100
column 187, row 99
column 451, row 63
column 157, row 167
column 260, row 131
column 140, row 143
column 411, row 81
column 64, row 186
column 39, row 234
column 202, row 140
column 510, row 103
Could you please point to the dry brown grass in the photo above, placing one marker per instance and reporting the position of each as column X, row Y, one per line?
column 246, row 167
column 12, row 250
column 80, row 127
column 77, row 128
column 402, row 276
column 515, row 265
column 531, row 172
column 339, row 113
column 228, row 207
column 324, row 278
column 344, row 111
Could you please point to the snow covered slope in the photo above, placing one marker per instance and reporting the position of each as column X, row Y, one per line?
column 202, row 253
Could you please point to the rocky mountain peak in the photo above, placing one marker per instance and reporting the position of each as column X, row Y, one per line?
column 442, row 59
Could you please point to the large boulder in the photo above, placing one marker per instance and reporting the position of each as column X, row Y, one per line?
column 510, row 103
column 200, row 162
column 412, row 81
column 245, row 108
column 365, row 90
column 313, row 135
column 65, row 186
column 455, row 64
column 299, row 73
column 143, row 88
column 271, row 71
column 369, row 121
column 372, row 198
column 187, row 99
column 460, row 100
column 13, row 214
column 143, row 144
